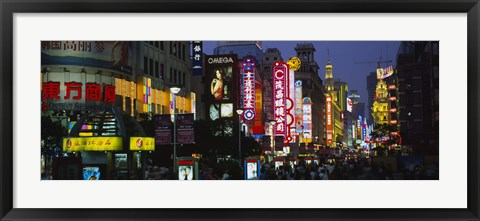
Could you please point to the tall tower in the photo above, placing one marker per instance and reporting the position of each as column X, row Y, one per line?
column 329, row 82
column 380, row 104
column 336, row 117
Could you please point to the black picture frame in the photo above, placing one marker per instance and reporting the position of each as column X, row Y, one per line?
column 9, row 7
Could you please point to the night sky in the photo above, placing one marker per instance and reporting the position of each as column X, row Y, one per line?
column 343, row 54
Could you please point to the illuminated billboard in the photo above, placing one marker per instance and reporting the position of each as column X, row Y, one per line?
column 383, row 73
column 72, row 144
column 349, row 105
column 91, row 173
column 258, row 127
column 116, row 55
column 298, row 107
column 142, row 143
column 220, row 71
column 307, row 119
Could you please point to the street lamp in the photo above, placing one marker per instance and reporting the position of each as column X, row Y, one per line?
column 240, row 112
column 174, row 91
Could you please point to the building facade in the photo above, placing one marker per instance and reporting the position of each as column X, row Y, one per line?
column 418, row 72
column 312, row 87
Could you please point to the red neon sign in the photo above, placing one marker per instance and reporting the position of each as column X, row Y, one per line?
column 73, row 91
column 280, row 71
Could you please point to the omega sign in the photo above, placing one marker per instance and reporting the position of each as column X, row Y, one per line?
column 220, row 60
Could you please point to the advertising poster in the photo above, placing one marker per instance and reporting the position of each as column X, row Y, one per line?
column 185, row 132
column 116, row 55
column 185, row 172
column 163, row 131
column 252, row 169
column 220, row 71
column 91, row 173
column 278, row 164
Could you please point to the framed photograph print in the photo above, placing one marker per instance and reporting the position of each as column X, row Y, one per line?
column 241, row 110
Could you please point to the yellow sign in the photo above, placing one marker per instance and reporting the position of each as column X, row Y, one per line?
column 72, row 144
column 294, row 63
column 142, row 143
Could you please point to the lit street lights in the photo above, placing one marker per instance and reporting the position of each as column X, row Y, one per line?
column 174, row 91
column 240, row 112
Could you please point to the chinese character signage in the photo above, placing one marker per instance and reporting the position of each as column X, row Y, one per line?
column 142, row 143
column 116, row 55
column 290, row 105
column 72, row 144
column 329, row 119
column 185, row 134
column 163, row 131
column 76, row 92
column 197, row 53
column 280, row 73
column 248, row 77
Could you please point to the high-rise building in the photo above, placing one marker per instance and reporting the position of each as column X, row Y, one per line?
column 312, row 87
column 270, row 56
column 342, row 88
column 418, row 68
column 334, row 111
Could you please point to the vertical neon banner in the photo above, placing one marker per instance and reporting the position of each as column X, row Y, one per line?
column 329, row 119
column 280, row 71
column 248, row 73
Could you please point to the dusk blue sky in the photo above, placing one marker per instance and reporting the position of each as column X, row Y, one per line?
column 343, row 55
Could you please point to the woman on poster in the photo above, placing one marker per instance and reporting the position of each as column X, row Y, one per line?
column 216, row 87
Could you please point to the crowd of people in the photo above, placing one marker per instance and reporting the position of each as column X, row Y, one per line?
column 351, row 169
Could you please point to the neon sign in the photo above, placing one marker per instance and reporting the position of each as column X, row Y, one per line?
column 248, row 74
column 329, row 120
column 280, row 71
